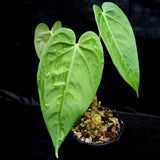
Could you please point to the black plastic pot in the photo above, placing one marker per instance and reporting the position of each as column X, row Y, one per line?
column 108, row 145
column 87, row 151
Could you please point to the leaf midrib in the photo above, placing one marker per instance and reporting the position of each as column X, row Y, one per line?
column 65, row 88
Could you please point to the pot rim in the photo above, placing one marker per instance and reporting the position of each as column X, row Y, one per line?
column 105, row 143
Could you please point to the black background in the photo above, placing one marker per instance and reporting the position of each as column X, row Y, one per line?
column 19, row 62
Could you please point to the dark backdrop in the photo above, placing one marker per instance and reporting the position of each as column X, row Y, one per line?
column 23, row 131
column 19, row 62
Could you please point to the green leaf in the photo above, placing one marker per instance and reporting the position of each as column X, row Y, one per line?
column 68, row 76
column 42, row 36
column 119, row 39
column 56, row 26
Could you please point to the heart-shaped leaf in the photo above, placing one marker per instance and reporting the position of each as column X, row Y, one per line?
column 68, row 76
column 42, row 36
column 119, row 39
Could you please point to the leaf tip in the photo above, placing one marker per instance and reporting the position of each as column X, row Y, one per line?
column 137, row 93
column 136, row 89
column 57, row 156
column 56, row 153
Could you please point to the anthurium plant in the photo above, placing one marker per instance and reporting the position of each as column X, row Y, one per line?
column 70, row 72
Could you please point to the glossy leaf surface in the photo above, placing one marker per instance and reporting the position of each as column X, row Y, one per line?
column 68, row 76
column 119, row 39
column 42, row 36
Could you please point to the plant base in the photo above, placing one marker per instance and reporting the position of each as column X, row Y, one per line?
column 107, row 131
